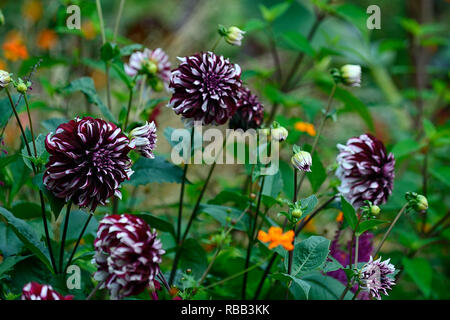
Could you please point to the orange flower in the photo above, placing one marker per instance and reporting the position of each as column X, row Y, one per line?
column 305, row 127
column 340, row 217
column 14, row 48
column 47, row 39
column 32, row 10
column 2, row 65
column 88, row 30
column 276, row 237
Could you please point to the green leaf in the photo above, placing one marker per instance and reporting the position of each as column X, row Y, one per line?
column 325, row 287
column 318, row 174
column 308, row 204
column 368, row 225
column 9, row 263
column 429, row 129
column 28, row 236
column 296, row 41
column 442, row 174
column 56, row 204
column 77, row 220
column 53, row 123
column 223, row 213
column 349, row 213
column 405, row 148
column 355, row 15
column 127, row 50
column 274, row 12
column 308, row 255
column 273, row 184
column 42, row 154
column 87, row 87
column 26, row 210
column 254, row 25
column 419, row 269
column 109, row 51
column 193, row 257
column 155, row 170
column 299, row 288
column 157, row 223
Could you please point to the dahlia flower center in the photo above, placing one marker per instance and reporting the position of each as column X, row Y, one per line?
column 212, row 82
column 101, row 158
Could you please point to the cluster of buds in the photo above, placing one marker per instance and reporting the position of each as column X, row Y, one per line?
column 416, row 201
column 349, row 74
column 296, row 210
column 301, row 160
column 232, row 35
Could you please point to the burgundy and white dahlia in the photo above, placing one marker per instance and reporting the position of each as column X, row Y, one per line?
column 377, row 276
column 249, row 113
column 366, row 170
column 205, row 88
column 36, row 291
column 144, row 139
column 88, row 161
column 152, row 63
column 128, row 254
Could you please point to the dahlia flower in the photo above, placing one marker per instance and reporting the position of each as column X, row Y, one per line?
column 128, row 254
column 144, row 139
column 250, row 112
column 205, row 88
column 5, row 78
column 152, row 63
column 366, row 170
column 302, row 161
column 351, row 75
column 88, row 161
column 377, row 276
column 36, row 291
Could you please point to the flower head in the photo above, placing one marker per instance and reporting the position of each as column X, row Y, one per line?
column 36, row 291
column 276, row 237
column 351, row 75
column 305, row 127
column 88, row 161
column 366, row 170
column 233, row 35
column 302, row 161
column 14, row 48
column 377, row 276
column 144, row 139
column 128, row 254
column 47, row 39
column 279, row 133
column 205, row 88
column 5, row 78
column 152, row 63
column 32, row 10
column 250, row 112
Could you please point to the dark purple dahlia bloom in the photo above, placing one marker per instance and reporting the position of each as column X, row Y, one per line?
column 250, row 112
column 366, row 170
column 36, row 291
column 205, row 88
column 377, row 276
column 88, row 161
column 128, row 255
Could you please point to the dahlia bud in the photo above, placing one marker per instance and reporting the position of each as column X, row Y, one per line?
column 279, row 134
column 375, row 210
column 297, row 213
column 150, row 67
column 5, row 78
column 351, row 75
column 302, row 161
column 416, row 201
column 22, row 87
column 144, row 139
column 234, row 36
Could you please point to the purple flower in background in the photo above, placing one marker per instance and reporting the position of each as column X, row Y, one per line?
column 377, row 276
column 250, row 112
column 205, row 88
column 366, row 170
column 128, row 254
column 152, row 63
column 36, row 291
column 144, row 139
column 88, row 161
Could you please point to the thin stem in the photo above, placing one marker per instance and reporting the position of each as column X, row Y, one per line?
column 119, row 16
column 437, row 224
column 399, row 214
column 100, row 17
column 89, row 297
column 47, row 233
column 356, row 250
column 31, row 123
column 102, row 28
column 356, row 293
column 130, row 101
column 64, row 235
column 306, row 220
column 214, row 47
column 252, row 238
column 319, row 132
column 78, row 241
column 424, row 187
column 276, row 58
column 294, row 200
column 265, row 274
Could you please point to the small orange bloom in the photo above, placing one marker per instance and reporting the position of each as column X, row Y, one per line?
column 276, row 237
column 305, row 127
column 2, row 65
column 88, row 30
column 13, row 48
column 340, row 217
column 32, row 10
column 47, row 39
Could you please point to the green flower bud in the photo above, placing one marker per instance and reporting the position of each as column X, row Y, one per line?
column 375, row 210
column 297, row 213
column 150, row 67
column 2, row 18
column 22, row 87
column 422, row 203
column 279, row 134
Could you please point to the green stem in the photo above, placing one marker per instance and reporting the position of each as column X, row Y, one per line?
column 216, row 43
column 78, row 241
column 130, row 101
column 64, row 235
column 119, row 16
column 31, row 123
column 399, row 214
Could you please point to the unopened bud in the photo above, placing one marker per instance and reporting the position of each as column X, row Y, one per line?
column 297, row 213
column 279, row 134
column 375, row 210
column 5, row 78
column 422, row 203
